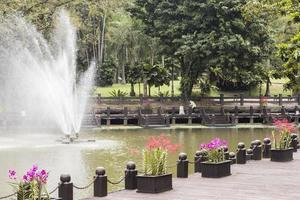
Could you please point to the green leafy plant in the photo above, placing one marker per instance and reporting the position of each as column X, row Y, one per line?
column 282, row 134
column 155, row 155
column 118, row 93
column 32, row 185
column 215, row 150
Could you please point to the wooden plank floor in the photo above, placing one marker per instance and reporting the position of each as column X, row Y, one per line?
column 257, row 180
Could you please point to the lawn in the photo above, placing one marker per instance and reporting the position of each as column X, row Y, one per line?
column 276, row 88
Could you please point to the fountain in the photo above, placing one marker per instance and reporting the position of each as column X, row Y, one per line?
column 39, row 85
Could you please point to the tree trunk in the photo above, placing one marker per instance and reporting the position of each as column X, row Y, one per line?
column 172, row 82
column 132, row 92
column 149, row 89
column 123, row 66
column 139, row 88
column 145, row 88
column 267, row 94
column 101, row 41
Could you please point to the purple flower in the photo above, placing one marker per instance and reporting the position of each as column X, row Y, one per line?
column 42, row 176
column 12, row 174
column 34, row 168
column 214, row 144
column 25, row 178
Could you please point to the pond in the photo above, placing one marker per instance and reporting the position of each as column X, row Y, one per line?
column 112, row 150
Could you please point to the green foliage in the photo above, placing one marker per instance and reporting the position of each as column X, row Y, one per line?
column 30, row 191
column 284, row 140
column 203, row 35
column 105, row 73
column 118, row 93
column 155, row 161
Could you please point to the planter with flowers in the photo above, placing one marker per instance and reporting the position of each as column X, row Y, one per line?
column 281, row 150
column 216, row 166
column 156, row 177
column 32, row 186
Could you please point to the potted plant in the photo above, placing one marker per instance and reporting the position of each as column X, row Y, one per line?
column 156, row 177
column 216, row 166
column 32, row 186
column 281, row 150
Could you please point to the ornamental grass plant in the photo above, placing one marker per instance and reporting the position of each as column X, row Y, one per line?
column 282, row 134
column 215, row 150
column 156, row 153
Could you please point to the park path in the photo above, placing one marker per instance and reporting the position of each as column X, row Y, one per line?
column 259, row 180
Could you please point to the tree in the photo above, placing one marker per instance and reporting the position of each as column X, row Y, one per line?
column 290, row 50
column 134, row 75
column 207, row 35
column 105, row 73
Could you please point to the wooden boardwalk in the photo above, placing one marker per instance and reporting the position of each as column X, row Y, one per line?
column 259, row 180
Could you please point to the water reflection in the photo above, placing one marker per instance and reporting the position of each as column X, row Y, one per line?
column 112, row 150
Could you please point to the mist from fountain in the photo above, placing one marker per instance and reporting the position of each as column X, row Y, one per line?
column 38, row 79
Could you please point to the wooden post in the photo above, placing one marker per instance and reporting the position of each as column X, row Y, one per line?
column 242, row 99
column 173, row 116
column 190, row 116
column 141, row 99
column 125, row 112
column 159, row 111
column 236, row 114
column 251, row 112
column 221, row 99
column 108, row 116
column 99, row 98
column 280, row 99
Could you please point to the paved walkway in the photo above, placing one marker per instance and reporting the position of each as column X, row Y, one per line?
column 259, row 180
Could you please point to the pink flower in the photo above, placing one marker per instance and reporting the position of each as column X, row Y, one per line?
column 162, row 142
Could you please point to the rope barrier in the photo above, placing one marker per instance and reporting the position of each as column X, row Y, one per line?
column 191, row 162
column 7, row 196
column 85, row 187
column 119, row 181
column 54, row 190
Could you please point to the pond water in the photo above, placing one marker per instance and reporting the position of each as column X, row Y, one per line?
column 112, row 150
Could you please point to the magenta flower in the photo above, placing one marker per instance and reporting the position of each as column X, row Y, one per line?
column 12, row 174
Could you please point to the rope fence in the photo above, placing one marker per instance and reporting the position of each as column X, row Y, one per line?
column 119, row 181
column 84, row 187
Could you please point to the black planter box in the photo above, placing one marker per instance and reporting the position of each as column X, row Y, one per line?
column 282, row 155
column 216, row 170
column 154, row 184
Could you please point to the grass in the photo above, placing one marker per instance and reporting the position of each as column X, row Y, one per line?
column 275, row 89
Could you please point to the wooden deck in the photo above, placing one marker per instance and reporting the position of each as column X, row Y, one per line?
column 261, row 180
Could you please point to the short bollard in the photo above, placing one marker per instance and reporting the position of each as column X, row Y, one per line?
column 232, row 157
column 294, row 142
column 249, row 154
column 182, row 166
column 226, row 153
column 257, row 150
column 197, row 159
column 241, row 154
column 65, row 189
column 130, row 176
column 200, row 156
column 267, row 148
column 100, row 184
